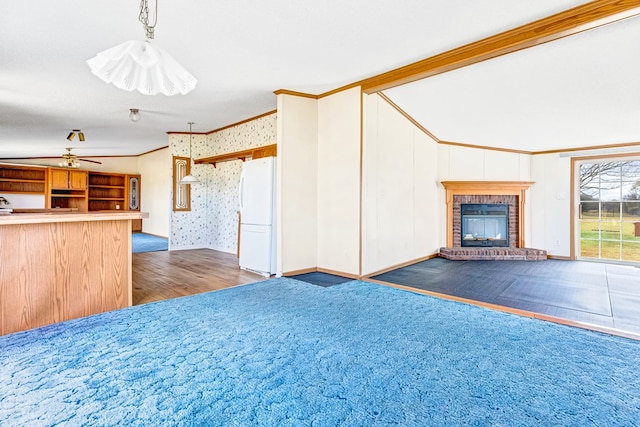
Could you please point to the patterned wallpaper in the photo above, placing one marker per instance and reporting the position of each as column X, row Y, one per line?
column 213, row 220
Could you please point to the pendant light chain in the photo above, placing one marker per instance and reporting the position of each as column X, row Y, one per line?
column 144, row 19
column 190, row 138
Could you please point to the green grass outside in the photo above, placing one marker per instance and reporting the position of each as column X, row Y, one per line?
column 609, row 231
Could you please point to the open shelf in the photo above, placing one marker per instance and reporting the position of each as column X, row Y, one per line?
column 254, row 153
column 115, row 191
column 107, row 191
column 107, row 180
column 22, row 179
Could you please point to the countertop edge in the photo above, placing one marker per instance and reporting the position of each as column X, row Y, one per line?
column 52, row 217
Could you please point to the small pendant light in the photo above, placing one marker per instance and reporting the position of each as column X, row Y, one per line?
column 189, row 179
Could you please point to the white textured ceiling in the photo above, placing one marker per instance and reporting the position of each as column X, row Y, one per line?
column 241, row 51
column 579, row 91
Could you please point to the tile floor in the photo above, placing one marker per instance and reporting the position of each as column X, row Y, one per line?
column 595, row 293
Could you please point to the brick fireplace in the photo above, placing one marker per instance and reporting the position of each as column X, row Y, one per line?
column 510, row 193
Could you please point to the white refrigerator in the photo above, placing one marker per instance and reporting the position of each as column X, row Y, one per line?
column 257, row 216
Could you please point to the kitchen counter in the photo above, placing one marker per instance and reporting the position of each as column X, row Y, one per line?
column 57, row 266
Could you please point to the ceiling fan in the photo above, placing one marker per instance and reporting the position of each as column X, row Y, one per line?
column 70, row 160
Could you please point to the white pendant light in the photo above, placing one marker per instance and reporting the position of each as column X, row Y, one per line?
column 189, row 179
column 142, row 66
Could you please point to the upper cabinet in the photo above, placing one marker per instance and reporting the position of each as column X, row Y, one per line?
column 68, row 179
column 67, row 188
column 23, row 179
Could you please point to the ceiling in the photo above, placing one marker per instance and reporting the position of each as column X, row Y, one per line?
column 572, row 92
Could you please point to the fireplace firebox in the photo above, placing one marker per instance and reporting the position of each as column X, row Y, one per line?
column 484, row 225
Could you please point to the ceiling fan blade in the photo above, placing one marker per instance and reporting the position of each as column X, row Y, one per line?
column 91, row 161
column 29, row 158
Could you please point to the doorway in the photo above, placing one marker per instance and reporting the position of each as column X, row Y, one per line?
column 609, row 210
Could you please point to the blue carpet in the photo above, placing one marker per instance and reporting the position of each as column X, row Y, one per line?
column 141, row 242
column 285, row 353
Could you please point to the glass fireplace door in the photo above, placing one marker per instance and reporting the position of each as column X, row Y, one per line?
column 484, row 225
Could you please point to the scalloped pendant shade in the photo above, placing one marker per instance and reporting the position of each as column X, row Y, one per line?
column 142, row 66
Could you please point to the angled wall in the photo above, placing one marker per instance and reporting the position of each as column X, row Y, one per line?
column 400, row 189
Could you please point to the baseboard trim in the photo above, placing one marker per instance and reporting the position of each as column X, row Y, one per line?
column 302, row 271
column 321, row 270
column 231, row 252
column 338, row 273
column 185, row 248
column 559, row 257
column 404, row 264
column 150, row 234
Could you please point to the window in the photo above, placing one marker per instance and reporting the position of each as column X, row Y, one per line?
column 609, row 210
column 181, row 192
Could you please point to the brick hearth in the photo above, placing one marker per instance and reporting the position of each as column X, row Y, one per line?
column 493, row 254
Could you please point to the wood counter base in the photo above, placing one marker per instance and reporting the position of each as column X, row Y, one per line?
column 65, row 267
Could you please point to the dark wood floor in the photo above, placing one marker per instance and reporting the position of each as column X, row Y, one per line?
column 170, row 274
column 588, row 293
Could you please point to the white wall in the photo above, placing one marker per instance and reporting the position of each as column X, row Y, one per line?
column 298, row 183
column 339, row 122
column 550, row 203
column 155, row 191
column 400, row 189
column 456, row 163
column 24, row 201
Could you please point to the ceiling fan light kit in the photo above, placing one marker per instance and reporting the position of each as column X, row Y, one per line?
column 142, row 66
column 70, row 160
column 69, row 164
column 75, row 132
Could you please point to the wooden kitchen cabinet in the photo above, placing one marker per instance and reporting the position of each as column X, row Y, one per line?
column 110, row 191
column 65, row 179
column 67, row 189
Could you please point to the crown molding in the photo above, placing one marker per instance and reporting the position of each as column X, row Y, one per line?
column 569, row 22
